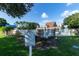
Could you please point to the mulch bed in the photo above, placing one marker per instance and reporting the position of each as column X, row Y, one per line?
column 45, row 43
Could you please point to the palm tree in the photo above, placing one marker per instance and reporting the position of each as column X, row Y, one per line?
column 16, row 9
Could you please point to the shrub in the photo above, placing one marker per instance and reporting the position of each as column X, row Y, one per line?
column 6, row 29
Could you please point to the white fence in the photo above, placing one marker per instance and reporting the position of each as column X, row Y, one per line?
column 65, row 32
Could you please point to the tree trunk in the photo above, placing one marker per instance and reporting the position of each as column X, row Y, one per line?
column 6, row 33
column 77, row 31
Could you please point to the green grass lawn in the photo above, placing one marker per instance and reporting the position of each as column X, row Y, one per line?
column 9, row 46
column 1, row 32
column 64, row 45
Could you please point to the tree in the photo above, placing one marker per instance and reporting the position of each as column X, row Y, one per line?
column 26, row 25
column 15, row 9
column 72, row 21
column 3, row 22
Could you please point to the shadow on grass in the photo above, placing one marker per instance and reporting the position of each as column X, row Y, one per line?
column 9, row 46
column 64, row 44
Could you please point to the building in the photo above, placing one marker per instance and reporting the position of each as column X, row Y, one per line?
column 51, row 24
column 47, row 30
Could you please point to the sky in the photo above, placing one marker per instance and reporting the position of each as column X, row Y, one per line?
column 45, row 12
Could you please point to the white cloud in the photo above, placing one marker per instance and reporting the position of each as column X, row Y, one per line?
column 65, row 14
column 44, row 15
column 68, row 13
column 68, row 4
column 74, row 11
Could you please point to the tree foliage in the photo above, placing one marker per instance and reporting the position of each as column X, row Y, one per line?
column 3, row 22
column 72, row 21
column 26, row 25
column 8, row 28
column 15, row 9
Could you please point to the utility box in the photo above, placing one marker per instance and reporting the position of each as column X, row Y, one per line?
column 29, row 37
